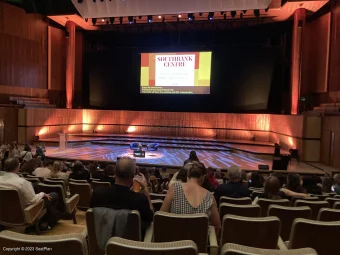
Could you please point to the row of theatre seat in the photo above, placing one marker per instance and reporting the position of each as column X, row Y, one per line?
column 258, row 225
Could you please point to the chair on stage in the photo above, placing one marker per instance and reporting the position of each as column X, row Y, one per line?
column 152, row 146
column 135, row 146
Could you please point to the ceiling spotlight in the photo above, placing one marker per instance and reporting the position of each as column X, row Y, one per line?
column 179, row 15
column 233, row 14
column 94, row 21
column 222, row 13
column 210, row 15
column 244, row 11
column 191, row 16
column 257, row 13
column 103, row 20
column 112, row 20
column 149, row 18
column 130, row 19
column 267, row 9
column 200, row 13
column 120, row 20
column 86, row 19
column 159, row 16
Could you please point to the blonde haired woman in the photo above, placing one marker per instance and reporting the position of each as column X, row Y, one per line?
column 57, row 173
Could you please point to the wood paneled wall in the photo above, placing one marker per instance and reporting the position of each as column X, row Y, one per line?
column 23, row 48
column 330, row 124
column 10, row 117
column 315, row 55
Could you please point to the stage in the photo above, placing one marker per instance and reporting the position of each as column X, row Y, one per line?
column 172, row 151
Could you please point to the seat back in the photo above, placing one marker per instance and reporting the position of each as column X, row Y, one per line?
column 293, row 199
column 56, row 182
column 321, row 236
column 97, row 185
column 255, row 232
column 256, row 193
column 85, row 193
column 48, row 188
column 154, row 196
column 240, row 210
column 287, row 215
column 265, row 203
column 236, row 201
column 315, row 206
column 332, row 200
column 336, row 205
column 132, row 230
column 157, row 204
column 235, row 249
column 74, row 244
column 321, row 197
column 77, row 181
column 181, row 227
column 14, row 215
column 326, row 214
column 118, row 246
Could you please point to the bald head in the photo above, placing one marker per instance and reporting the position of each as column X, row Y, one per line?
column 11, row 165
column 125, row 169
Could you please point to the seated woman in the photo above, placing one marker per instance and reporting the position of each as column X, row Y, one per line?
column 256, row 180
column 79, row 172
column 108, row 175
column 57, row 173
column 327, row 185
column 272, row 190
column 191, row 198
column 294, row 183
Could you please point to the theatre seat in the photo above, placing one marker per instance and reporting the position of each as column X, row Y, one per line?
column 98, row 185
column 236, row 201
column 85, row 192
column 135, row 146
column 315, row 206
column 120, row 246
column 152, row 146
column 74, row 244
column 240, row 210
column 236, row 249
column 326, row 214
column 265, row 203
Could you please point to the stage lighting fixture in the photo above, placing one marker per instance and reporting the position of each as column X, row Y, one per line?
column 86, row 19
column 210, row 15
column 149, row 18
column 179, row 15
column 191, row 16
column 120, row 20
column 103, row 19
column 159, row 16
column 233, row 14
column 94, row 21
column 130, row 19
column 257, row 13
column 36, row 138
column 200, row 13
column 267, row 9
column 112, row 20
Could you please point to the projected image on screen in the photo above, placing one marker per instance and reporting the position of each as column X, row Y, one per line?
column 175, row 73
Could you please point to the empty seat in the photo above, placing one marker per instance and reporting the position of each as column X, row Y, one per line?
column 154, row 196
column 327, row 214
column 132, row 231
column 16, row 216
column 293, row 199
column 265, row 203
column 240, row 210
column 236, row 201
column 120, row 246
column 85, row 192
column 315, row 206
column 287, row 215
column 97, row 185
column 236, row 249
column 74, row 244
column 321, row 236
column 67, row 206
column 336, row 205
column 57, row 182
column 332, row 200
column 168, row 227
column 157, row 204
column 254, row 232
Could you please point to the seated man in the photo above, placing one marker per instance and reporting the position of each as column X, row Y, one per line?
column 11, row 180
column 44, row 171
column 234, row 187
column 120, row 196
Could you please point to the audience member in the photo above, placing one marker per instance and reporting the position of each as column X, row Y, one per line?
column 244, row 180
column 15, row 150
column 219, row 176
column 192, row 157
column 95, row 171
column 26, row 154
column 233, row 188
column 158, row 175
column 79, row 172
column 119, row 195
column 256, row 180
column 272, row 190
column 40, row 151
column 190, row 197
column 211, row 178
column 312, row 185
column 29, row 166
column 43, row 171
column 337, row 184
column 57, row 173
column 294, row 183
column 27, row 196
column 327, row 185
column 164, row 173
column 108, row 175
column 281, row 178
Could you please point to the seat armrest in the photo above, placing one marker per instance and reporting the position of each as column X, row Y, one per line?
column 213, row 241
column 149, row 234
column 281, row 245
column 71, row 203
column 84, row 233
column 31, row 212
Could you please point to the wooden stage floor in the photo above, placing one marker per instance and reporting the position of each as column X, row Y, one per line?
column 172, row 152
